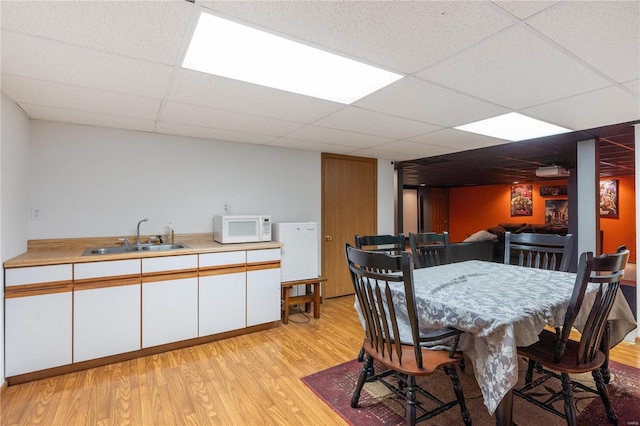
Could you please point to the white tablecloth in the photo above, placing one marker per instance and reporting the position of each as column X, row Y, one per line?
column 501, row 307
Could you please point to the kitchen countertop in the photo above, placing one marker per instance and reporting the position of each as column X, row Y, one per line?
column 54, row 252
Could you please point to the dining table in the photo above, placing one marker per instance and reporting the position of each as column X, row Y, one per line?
column 501, row 307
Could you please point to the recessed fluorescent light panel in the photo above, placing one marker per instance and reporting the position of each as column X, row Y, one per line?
column 513, row 127
column 228, row 49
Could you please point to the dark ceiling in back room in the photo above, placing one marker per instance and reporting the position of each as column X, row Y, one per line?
column 518, row 161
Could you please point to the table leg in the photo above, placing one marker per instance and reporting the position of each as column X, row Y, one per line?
column 504, row 412
column 285, row 296
column 307, row 291
column 316, row 300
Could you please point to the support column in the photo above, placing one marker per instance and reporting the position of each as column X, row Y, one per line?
column 588, row 200
column 637, row 187
column 399, row 211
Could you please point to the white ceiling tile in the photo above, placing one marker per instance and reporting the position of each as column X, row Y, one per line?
column 600, row 108
column 312, row 146
column 151, row 30
column 363, row 121
column 404, row 36
column 457, row 139
column 196, row 88
column 213, row 134
column 39, row 112
column 416, row 99
column 173, row 112
column 524, row 9
column 606, row 34
column 46, row 93
column 337, row 137
column 53, row 61
column 514, row 69
column 633, row 85
column 384, row 155
column 415, row 149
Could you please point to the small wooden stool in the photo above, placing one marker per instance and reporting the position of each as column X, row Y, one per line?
column 311, row 294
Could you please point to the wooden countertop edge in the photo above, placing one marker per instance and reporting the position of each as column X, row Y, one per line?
column 70, row 250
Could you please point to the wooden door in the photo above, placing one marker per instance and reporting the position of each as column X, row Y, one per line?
column 439, row 210
column 349, row 207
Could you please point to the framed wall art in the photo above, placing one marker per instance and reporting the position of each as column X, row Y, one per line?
column 553, row 191
column 609, row 198
column 556, row 212
column 522, row 200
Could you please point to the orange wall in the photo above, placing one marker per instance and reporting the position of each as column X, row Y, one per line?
column 622, row 230
column 480, row 207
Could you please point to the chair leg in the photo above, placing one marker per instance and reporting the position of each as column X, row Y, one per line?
column 361, row 355
column 411, row 401
column 604, row 395
column 451, row 372
column 368, row 363
column 528, row 376
column 567, row 391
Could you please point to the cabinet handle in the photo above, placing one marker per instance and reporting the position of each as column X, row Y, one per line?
column 328, row 238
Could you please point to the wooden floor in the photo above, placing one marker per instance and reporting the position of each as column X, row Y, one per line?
column 246, row 380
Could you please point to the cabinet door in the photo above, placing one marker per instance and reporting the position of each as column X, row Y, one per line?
column 169, row 311
column 38, row 318
column 222, row 303
column 106, row 321
column 263, row 296
column 38, row 332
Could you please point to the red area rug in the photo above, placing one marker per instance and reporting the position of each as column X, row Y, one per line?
column 378, row 407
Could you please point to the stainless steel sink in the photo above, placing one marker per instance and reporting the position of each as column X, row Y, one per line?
column 162, row 247
column 129, row 249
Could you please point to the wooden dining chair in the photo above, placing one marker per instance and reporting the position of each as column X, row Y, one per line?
column 404, row 357
column 430, row 249
column 393, row 244
column 542, row 251
column 560, row 357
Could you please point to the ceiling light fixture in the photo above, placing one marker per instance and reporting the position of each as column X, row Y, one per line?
column 228, row 49
column 513, row 127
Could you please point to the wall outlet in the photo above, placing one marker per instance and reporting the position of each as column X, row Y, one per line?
column 36, row 213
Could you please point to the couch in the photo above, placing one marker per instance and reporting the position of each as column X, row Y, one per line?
column 489, row 244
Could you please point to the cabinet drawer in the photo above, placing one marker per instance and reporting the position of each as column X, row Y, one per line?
column 38, row 274
column 169, row 263
column 227, row 258
column 254, row 256
column 114, row 268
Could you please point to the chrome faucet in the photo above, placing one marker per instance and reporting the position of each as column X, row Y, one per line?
column 138, row 232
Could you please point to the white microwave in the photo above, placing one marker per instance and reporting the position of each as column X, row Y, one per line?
column 241, row 229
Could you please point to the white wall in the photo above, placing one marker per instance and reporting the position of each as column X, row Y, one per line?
column 13, row 193
column 92, row 181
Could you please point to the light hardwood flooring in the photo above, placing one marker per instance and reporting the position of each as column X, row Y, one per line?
column 246, row 380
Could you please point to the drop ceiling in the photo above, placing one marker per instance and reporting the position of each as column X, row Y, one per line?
column 117, row 64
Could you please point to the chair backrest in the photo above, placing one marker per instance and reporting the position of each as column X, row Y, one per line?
column 607, row 271
column 377, row 302
column 392, row 244
column 430, row 249
column 543, row 251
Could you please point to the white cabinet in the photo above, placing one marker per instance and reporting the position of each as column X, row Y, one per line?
column 106, row 308
column 222, row 288
column 38, row 312
column 263, row 286
column 169, row 299
column 222, row 303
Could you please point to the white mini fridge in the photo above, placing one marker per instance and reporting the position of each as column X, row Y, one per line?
column 299, row 259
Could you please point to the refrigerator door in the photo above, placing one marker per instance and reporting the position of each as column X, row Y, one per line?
column 300, row 251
